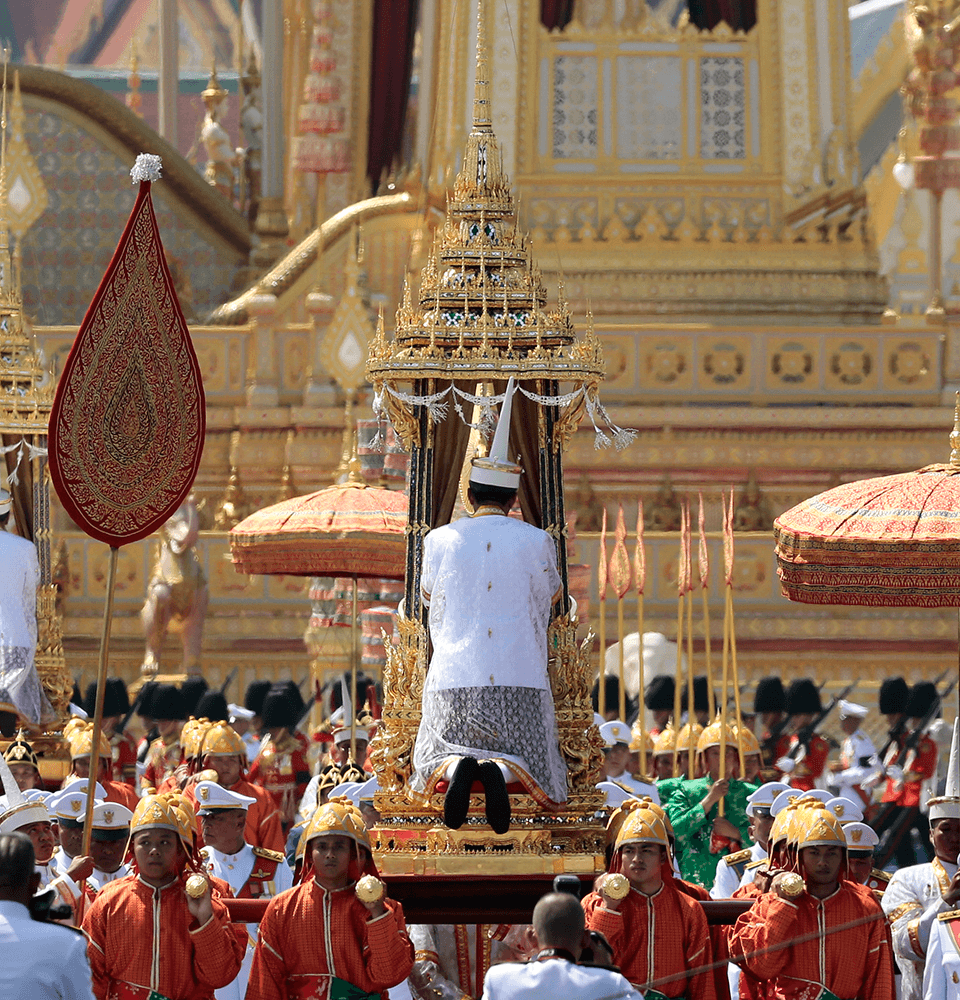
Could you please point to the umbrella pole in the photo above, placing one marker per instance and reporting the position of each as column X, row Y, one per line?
column 353, row 678
column 98, row 710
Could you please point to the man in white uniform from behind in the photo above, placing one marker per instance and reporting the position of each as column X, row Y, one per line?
column 558, row 923
column 38, row 960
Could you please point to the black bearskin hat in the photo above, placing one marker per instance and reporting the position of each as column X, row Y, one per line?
column 167, row 702
column 659, row 694
column 923, row 696
column 213, row 706
column 278, row 711
column 256, row 692
column 701, row 702
column 769, row 696
column 192, row 689
column 803, row 698
column 894, row 694
column 115, row 699
column 611, row 691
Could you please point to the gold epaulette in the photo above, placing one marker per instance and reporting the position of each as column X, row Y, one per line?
column 265, row 852
column 735, row 859
column 880, row 876
column 757, row 864
column 949, row 915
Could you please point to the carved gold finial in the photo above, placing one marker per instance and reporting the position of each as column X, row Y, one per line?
column 482, row 118
column 955, row 435
column 214, row 93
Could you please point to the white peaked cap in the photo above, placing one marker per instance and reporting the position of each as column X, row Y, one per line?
column 615, row 732
column 239, row 712
column 947, row 806
column 497, row 469
column 860, row 837
column 765, row 796
column 6, row 501
column 211, row 797
column 851, row 710
column 845, row 810
column 820, row 794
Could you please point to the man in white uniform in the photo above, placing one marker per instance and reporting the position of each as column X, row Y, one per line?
column 858, row 756
column 18, row 620
column 616, row 783
column 558, row 922
column 916, row 896
column 941, row 973
column 38, row 960
column 488, row 716
column 251, row 872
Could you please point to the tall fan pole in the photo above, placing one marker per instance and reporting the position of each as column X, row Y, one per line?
column 98, row 709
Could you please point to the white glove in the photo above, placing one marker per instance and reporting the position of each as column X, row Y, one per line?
column 895, row 772
column 785, row 764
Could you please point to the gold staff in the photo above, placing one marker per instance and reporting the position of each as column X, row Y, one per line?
column 640, row 577
column 602, row 587
column 620, row 571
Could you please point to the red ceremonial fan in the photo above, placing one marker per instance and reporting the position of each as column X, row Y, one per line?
column 127, row 425
column 126, row 431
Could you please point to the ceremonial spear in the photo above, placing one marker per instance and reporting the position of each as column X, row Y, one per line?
column 127, row 425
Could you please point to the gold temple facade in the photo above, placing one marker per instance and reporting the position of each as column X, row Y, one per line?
column 758, row 302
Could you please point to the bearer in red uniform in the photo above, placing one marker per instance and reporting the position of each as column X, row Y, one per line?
column 658, row 934
column 816, row 935
column 79, row 736
column 319, row 941
column 148, row 935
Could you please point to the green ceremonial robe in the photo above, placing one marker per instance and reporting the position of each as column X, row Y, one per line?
column 693, row 827
column 667, row 789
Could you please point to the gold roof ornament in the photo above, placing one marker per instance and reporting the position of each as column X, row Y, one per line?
column 26, row 389
column 481, row 310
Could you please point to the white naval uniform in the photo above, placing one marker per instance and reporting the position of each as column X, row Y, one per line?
column 235, row 869
column 252, row 744
column 490, row 582
column 60, row 862
column 912, row 901
column 728, row 879
column 70, row 891
column 47, row 875
column 850, row 780
column 941, row 973
column 626, row 786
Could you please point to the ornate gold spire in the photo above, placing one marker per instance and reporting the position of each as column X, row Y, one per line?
column 26, row 390
column 481, row 310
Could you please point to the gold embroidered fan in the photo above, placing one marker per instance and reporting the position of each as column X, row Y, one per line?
column 126, row 431
column 127, row 425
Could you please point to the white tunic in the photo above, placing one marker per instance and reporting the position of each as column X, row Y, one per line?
column 490, row 582
column 235, row 869
column 18, row 627
column 941, row 974
column 912, row 900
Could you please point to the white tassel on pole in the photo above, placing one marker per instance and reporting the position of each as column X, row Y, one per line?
column 146, row 168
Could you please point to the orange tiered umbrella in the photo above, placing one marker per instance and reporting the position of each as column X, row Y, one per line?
column 346, row 530
column 893, row 541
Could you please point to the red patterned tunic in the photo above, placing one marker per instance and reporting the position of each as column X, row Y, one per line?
column 311, row 935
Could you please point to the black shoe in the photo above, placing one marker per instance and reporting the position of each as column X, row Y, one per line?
column 457, row 800
column 496, row 799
